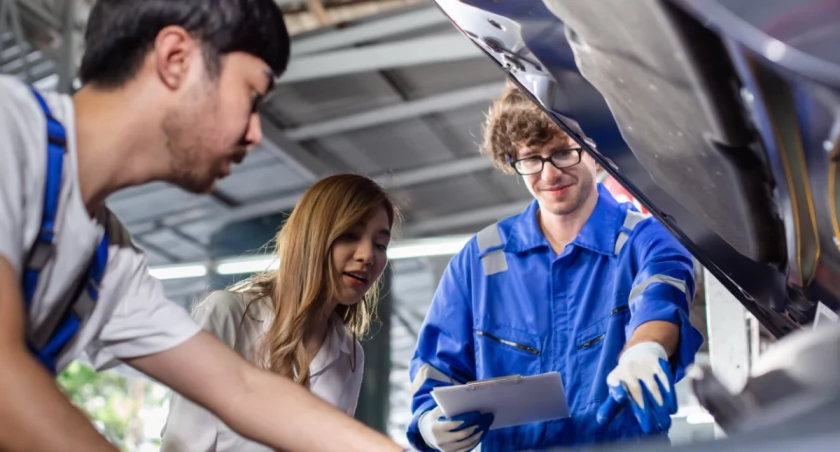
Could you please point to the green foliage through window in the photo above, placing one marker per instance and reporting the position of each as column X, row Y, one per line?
column 125, row 410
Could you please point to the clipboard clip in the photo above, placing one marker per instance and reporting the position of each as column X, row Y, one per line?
column 512, row 378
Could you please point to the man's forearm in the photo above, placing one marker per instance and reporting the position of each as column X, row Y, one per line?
column 35, row 415
column 663, row 333
column 258, row 404
column 281, row 411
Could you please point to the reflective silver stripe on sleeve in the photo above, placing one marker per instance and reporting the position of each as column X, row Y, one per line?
column 639, row 288
column 494, row 261
column 631, row 219
column 426, row 373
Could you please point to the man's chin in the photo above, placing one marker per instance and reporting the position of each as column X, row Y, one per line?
column 558, row 207
column 198, row 187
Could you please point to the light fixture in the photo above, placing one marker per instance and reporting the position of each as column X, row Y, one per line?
column 440, row 246
column 408, row 249
column 178, row 271
column 241, row 265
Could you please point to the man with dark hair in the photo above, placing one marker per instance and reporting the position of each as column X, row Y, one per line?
column 577, row 283
column 171, row 94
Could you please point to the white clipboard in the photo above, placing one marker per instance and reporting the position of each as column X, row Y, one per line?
column 824, row 315
column 513, row 400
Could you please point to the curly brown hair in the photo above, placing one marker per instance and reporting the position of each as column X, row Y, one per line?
column 513, row 119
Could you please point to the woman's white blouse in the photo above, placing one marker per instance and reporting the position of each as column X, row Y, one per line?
column 335, row 374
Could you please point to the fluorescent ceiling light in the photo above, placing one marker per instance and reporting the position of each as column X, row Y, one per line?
column 442, row 246
column 246, row 265
column 409, row 249
column 178, row 271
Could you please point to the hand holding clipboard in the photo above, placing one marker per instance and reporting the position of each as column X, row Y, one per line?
column 513, row 400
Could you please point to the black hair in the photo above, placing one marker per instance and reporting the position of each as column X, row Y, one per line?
column 120, row 33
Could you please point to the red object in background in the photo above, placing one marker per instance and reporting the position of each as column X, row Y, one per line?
column 621, row 194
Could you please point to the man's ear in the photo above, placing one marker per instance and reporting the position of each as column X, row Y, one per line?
column 173, row 54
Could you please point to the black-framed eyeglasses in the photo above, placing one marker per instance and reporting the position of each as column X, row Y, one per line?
column 563, row 158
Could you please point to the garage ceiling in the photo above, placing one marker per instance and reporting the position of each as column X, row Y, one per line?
column 387, row 88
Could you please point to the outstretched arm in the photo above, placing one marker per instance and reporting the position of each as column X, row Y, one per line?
column 661, row 340
column 257, row 404
column 664, row 333
column 661, row 298
column 34, row 414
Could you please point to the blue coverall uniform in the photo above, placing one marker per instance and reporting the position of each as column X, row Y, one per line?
column 508, row 304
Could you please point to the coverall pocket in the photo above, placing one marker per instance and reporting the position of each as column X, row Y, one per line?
column 505, row 351
column 596, row 355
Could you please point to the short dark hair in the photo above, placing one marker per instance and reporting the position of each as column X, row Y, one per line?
column 120, row 32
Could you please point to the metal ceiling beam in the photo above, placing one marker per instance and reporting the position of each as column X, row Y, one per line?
column 292, row 154
column 482, row 216
column 67, row 59
column 452, row 100
column 392, row 55
column 400, row 179
column 369, row 31
column 38, row 13
column 10, row 23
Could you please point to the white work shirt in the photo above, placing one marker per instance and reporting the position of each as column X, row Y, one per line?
column 132, row 316
column 335, row 374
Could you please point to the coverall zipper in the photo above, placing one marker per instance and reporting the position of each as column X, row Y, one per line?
column 597, row 339
column 522, row 347
column 591, row 342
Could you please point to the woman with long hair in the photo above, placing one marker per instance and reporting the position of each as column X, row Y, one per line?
column 305, row 319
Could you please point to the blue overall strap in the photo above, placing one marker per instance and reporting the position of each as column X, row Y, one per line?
column 48, row 350
column 79, row 311
column 43, row 249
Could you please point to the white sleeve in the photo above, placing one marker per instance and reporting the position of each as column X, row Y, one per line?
column 144, row 321
column 358, row 377
column 18, row 114
column 189, row 427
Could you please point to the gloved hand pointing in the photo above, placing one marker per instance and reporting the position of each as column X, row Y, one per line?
column 459, row 433
column 642, row 379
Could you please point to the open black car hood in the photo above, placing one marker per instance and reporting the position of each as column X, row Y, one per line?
column 720, row 116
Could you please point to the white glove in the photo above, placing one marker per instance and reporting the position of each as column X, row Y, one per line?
column 638, row 364
column 461, row 433
column 642, row 377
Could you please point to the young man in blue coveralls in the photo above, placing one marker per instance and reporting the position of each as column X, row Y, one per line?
column 171, row 90
column 576, row 283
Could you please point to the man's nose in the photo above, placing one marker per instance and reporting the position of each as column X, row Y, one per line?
column 550, row 173
column 254, row 134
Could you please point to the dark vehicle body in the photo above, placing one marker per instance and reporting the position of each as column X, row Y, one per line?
column 722, row 117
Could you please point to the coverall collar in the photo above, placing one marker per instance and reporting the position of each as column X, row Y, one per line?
column 598, row 233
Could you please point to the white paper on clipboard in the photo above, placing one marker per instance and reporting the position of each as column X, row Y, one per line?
column 824, row 315
column 513, row 400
